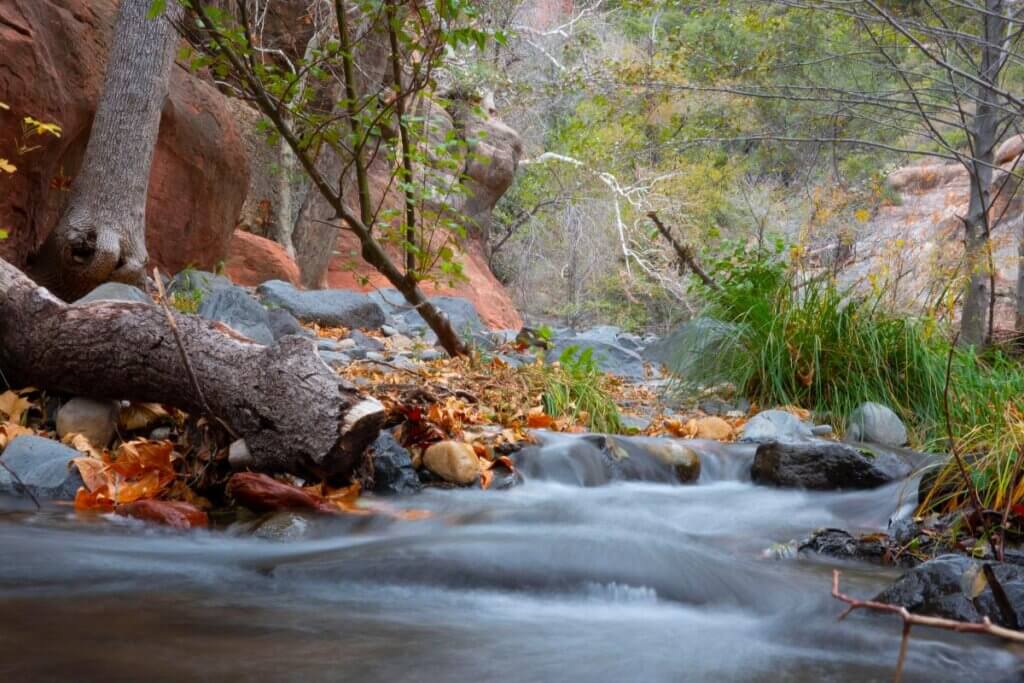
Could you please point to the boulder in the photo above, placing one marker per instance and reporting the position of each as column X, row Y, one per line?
column 611, row 358
column 116, row 291
column 331, row 307
column 453, row 461
column 460, row 311
column 282, row 323
column 95, row 420
column 55, row 54
column 841, row 545
column 365, row 341
column 335, row 359
column 240, row 311
column 393, row 473
column 714, row 428
column 254, row 260
column 775, row 425
column 697, row 350
column 955, row 587
column 43, row 467
column 876, row 423
column 825, row 465
column 189, row 281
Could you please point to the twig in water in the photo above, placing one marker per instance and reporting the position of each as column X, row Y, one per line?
column 986, row 627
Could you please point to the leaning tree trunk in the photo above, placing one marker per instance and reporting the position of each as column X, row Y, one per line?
column 102, row 234
column 293, row 412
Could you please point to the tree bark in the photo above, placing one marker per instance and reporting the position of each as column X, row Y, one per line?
column 293, row 412
column 102, row 233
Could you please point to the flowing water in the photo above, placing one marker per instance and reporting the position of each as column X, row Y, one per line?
column 550, row 581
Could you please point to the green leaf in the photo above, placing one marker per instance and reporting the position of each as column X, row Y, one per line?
column 4, row 234
column 156, row 8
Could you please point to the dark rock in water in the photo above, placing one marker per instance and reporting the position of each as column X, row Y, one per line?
column 43, row 466
column 332, row 307
column 393, row 473
column 197, row 280
column 875, row 423
column 597, row 459
column 825, row 465
column 282, row 323
column 240, row 311
column 116, row 291
column 955, row 587
column 874, row 548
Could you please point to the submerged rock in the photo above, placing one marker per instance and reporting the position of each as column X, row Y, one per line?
column 875, row 423
column 43, row 467
column 955, row 587
column 96, row 420
column 393, row 473
column 825, row 465
column 875, row 548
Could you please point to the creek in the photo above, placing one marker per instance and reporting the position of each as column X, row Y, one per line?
column 548, row 581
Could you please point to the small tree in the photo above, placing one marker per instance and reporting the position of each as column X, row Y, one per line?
column 417, row 38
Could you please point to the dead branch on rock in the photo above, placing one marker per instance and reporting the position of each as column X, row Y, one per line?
column 986, row 627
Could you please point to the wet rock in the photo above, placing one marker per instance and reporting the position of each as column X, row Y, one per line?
column 954, row 587
column 43, row 467
column 598, row 459
column 96, row 420
column 393, row 473
column 775, row 425
column 714, row 428
column 825, row 465
column 453, row 461
column 874, row 548
column 282, row 323
column 116, row 291
column 240, row 311
column 875, row 423
column 282, row 526
column 610, row 357
column 331, row 307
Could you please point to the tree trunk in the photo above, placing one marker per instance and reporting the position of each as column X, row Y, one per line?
column 293, row 412
column 102, row 234
column 974, row 316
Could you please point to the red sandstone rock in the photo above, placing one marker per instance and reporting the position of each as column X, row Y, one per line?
column 54, row 55
column 253, row 260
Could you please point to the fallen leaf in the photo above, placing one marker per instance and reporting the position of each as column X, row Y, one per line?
column 265, row 494
column 138, row 416
column 13, row 406
column 173, row 513
column 9, row 431
column 82, row 444
column 93, row 472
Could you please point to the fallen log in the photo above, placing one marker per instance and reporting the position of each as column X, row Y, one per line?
column 293, row 413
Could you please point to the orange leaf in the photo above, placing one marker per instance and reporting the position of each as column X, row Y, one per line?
column 93, row 501
column 536, row 419
column 93, row 472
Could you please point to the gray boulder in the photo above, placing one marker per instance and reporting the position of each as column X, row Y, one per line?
column 610, row 357
column 201, row 280
column 825, row 465
column 697, row 350
column 282, row 323
column 332, row 307
column 240, row 311
column 116, row 291
column 393, row 473
column 775, row 425
column 950, row 586
column 365, row 341
column 876, row 423
column 461, row 312
column 335, row 359
column 43, row 466
column 96, row 420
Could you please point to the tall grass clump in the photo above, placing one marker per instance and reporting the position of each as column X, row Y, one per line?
column 810, row 343
column 576, row 387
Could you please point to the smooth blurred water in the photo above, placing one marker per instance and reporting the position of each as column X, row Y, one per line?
column 545, row 582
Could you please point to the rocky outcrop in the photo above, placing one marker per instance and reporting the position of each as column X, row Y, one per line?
column 54, row 59
column 253, row 260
